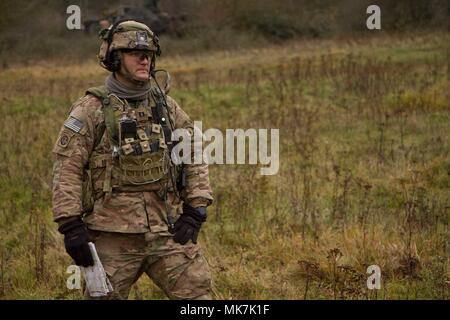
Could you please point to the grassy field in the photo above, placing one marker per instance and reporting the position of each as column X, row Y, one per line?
column 364, row 173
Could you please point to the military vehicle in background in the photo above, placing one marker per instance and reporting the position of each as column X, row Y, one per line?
column 151, row 15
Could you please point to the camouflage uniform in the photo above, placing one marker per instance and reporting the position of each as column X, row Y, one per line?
column 179, row 270
column 128, row 225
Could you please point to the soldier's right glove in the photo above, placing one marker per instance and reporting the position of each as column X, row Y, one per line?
column 76, row 240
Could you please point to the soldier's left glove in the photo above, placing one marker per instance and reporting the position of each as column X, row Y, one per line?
column 188, row 224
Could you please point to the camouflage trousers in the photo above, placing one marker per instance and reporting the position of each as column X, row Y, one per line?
column 180, row 271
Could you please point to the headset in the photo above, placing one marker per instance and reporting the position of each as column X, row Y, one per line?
column 112, row 59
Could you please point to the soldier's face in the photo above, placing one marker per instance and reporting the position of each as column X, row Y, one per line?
column 137, row 64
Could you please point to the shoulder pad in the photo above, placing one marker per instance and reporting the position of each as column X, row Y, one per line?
column 81, row 112
column 171, row 103
column 100, row 92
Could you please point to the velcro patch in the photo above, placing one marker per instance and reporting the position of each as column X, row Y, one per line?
column 141, row 38
column 74, row 124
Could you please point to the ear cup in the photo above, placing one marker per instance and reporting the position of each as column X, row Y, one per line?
column 155, row 54
column 115, row 61
column 112, row 59
column 156, row 43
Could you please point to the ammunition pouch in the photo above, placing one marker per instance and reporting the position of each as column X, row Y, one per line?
column 141, row 157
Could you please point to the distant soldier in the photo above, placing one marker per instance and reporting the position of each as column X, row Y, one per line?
column 104, row 24
column 114, row 182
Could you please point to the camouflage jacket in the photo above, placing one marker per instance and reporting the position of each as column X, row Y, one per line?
column 125, row 212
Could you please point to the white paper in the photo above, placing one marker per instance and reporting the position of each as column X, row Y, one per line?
column 97, row 282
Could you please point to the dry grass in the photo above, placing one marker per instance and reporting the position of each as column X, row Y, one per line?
column 364, row 176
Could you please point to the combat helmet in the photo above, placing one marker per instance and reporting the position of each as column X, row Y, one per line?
column 123, row 35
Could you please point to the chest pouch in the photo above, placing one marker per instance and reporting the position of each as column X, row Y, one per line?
column 142, row 158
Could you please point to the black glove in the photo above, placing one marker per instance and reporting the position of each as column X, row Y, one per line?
column 188, row 224
column 76, row 240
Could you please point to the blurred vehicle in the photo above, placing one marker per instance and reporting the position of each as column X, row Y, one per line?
column 159, row 21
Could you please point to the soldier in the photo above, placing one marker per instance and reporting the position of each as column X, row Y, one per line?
column 114, row 183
